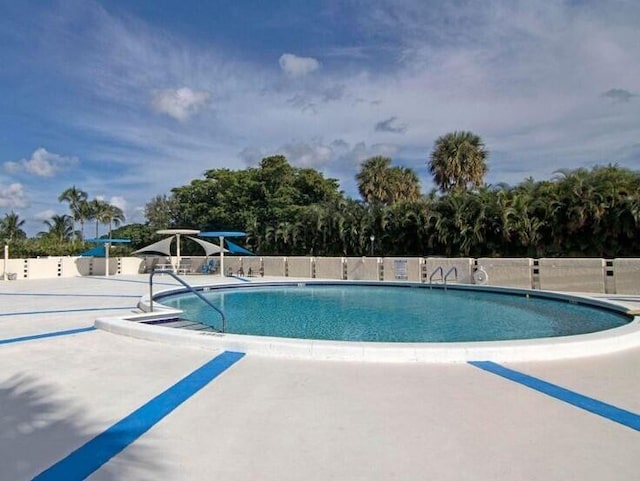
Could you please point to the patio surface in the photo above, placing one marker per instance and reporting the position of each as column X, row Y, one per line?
column 95, row 405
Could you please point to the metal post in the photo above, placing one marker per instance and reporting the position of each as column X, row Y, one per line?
column 221, row 256
column 175, row 269
column 5, row 276
column 107, row 246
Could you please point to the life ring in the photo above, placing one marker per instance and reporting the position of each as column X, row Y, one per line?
column 480, row 276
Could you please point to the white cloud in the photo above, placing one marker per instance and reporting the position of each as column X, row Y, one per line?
column 119, row 201
column 44, row 215
column 308, row 155
column 337, row 156
column 295, row 66
column 13, row 196
column 42, row 163
column 180, row 103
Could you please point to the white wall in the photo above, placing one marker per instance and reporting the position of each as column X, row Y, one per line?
column 626, row 275
column 299, row 266
column 363, row 268
column 509, row 272
column 274, row 266
column 329, row 267
column 562, row 274
column 575, row 275
column 402, row 269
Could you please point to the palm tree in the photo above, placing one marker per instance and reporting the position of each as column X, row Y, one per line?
column 405, row 185
column 77, row 200
column 11, row 228
column 98, row 211
column 372, row 179
column 60, row 228
column 458, row 161
column 111, row 215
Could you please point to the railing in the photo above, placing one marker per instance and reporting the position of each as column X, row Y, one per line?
column 189, row 288
column 436, row 270
column 453, row 270
column 443, row 276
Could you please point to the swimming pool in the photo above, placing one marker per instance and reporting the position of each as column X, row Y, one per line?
column 398, row 313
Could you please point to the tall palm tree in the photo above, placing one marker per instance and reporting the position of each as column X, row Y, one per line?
column 77, row 200
column 111, row 215
column 11, row 227
column 405, row 185
column 372, row 179
column 458, row 161
column 98, row 209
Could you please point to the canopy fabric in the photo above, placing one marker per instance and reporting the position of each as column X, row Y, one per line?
column 178, row 231
column 162, row 247
column 109, row 241
column 208, row 247
column 97, row 251
column 236, row 249
column 223, row 234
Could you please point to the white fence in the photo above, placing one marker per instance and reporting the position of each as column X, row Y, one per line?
column 614, row 276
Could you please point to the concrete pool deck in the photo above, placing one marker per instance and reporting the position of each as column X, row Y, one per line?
column 95, row 405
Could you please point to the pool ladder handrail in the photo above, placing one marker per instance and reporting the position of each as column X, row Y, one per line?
column 189, row 288
column 443, row 276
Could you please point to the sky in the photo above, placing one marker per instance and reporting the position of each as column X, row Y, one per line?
column 126, row 100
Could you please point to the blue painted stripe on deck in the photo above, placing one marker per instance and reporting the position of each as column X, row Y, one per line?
column 64, row 311
column 47, row 334
column 48, row 294
column 613, row 413
column 87, row 459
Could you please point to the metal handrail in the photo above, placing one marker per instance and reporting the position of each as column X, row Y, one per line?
column 454, row 269
column 436, row 270
column 189, row 288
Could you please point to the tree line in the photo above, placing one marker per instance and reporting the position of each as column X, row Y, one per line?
column 296, row 211
column 286, row 210
column 61, row 236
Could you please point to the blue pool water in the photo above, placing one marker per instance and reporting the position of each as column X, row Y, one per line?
column 392, row 314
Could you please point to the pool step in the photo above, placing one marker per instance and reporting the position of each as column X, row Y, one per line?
column 181, row 324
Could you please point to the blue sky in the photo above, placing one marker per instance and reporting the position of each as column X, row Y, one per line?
column 129, row 99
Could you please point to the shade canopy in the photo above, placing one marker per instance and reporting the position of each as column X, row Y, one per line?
column 97, row 251
column 164, row 247
column 109, row 241
column 208, row 247
column 160, row 247
column 236, row 249
column 100, row 250
column 223, row 234
column 178, row 231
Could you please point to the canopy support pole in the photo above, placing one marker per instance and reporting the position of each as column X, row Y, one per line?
column 222, row 256
column 107, row 245
column 177, row 266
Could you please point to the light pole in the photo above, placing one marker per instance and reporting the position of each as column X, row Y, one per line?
column 372, row 239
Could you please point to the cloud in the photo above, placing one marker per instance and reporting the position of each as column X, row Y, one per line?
column 391, row 125
column 337, row 156
column 180, row 103
column 295, row 66
column 119, row 201
column 13, row 196
column 44, row 215
column 619, row 95
column 308, row 155
column 333, row 93
column 42, row 163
